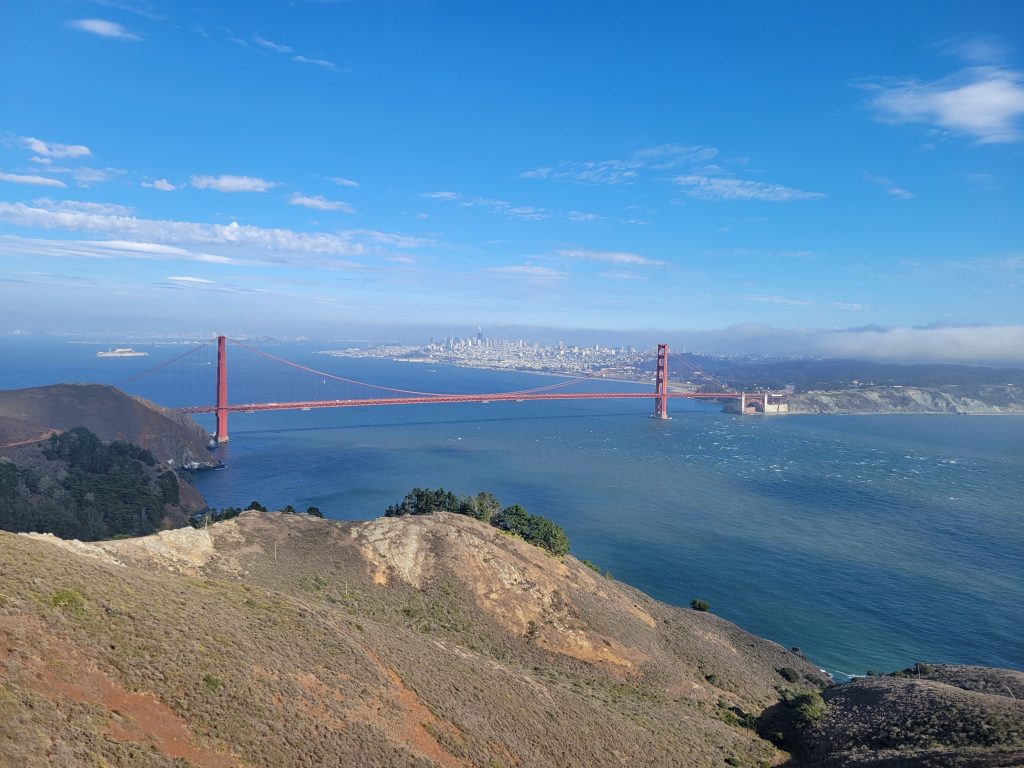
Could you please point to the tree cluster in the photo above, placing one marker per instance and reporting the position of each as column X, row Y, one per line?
column 105, row 490
column 485, row 506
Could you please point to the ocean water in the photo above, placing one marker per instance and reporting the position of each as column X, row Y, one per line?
column 870, row 542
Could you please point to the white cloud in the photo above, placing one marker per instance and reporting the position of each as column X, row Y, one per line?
column 612, row 257
column 984, row 102
column 161, row 184
column 530, row 271
column 345, row 243
column 229, row 183
column 718, row 188
column 49, row 149
column 276, row 47
column 619, row 274
column 319, row 203
column 316, row 62
column 341, row 181
column 104, row 28
column 38, row 181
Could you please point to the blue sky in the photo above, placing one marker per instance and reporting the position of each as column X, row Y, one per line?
column 819, row 177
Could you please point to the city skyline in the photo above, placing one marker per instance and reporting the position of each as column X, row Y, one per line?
column 820, row 181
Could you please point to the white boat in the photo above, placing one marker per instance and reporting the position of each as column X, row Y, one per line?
column 122, row 352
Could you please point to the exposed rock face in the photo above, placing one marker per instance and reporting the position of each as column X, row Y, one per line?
column 34, row 413
column 983, row 399
column 435, row 640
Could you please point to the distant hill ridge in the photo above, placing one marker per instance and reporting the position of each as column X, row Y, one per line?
column 432, row 640
column 32, row 414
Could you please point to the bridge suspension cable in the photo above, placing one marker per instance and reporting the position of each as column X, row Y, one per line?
column 166, row 363
column 396, row 390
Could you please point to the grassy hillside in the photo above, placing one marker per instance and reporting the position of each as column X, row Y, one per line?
column 420, row 640
column 436, row 640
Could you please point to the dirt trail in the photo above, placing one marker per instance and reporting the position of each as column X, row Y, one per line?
column 44, row 436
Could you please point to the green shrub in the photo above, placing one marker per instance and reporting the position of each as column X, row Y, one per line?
column 700, row 605
column 485, row 506
column 68, row 599
column 810, row 707
column 789, row 674
column 212, row 682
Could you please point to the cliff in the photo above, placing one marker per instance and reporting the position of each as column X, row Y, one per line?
column 434, row 640
column 964, row 400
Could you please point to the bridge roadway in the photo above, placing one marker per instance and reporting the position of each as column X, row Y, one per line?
column 501, row 397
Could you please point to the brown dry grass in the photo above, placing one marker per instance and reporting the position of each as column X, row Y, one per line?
column 282, row 646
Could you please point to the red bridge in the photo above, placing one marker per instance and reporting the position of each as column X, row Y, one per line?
column 744, row 402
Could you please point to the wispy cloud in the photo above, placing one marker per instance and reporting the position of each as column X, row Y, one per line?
column 512, row 211
column 229, row 183
column 662, row 157
column 620, row 274
column 190, row 280
column 50, row 149
column 984, row 102
column 138, row 7
column 87, row 177
column 324, row 63
column 105, row 249
column 38, row 181
column 162, row 185
column 84, row 206
column 270, row 45
column 718, row 188
column 890, row 187
column 104, row 28
column 319, row 203
column 229, row 236
column 341, row 181
column 530, row 272
column 806, row 302
column 611, row 257
column 262, row 44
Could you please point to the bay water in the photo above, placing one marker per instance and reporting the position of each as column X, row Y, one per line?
column 871, row 542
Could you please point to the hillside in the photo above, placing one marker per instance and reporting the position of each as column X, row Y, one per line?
column 965, row 400
column 272, row 640
column 29, row 415
column 435, row 640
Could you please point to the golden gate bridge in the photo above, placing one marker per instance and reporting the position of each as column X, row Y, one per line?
column 334, row 391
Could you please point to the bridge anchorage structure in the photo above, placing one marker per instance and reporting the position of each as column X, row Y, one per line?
column 308, row 388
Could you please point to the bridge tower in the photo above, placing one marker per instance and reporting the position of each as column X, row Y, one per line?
column 661, row 385
column 221, row 435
